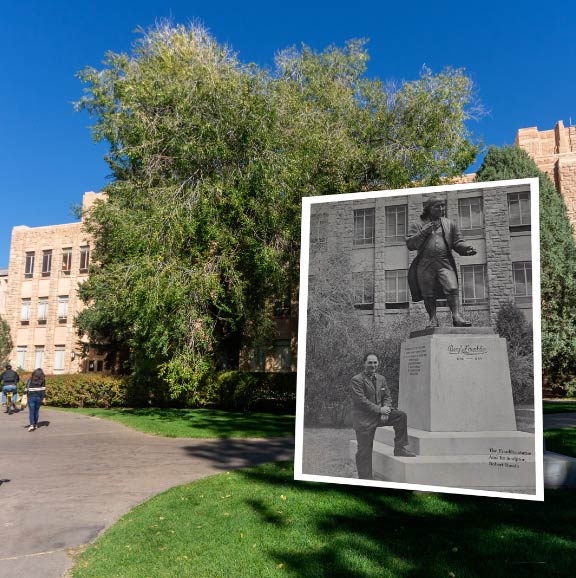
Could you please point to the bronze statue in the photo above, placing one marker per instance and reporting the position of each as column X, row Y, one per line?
column 432, row 274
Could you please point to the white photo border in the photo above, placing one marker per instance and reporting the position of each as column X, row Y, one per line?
column 307, row 202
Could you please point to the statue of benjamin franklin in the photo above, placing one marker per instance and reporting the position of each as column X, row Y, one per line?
column 432, row 274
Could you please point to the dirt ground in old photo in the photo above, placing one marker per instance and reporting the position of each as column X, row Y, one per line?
column 326, row 450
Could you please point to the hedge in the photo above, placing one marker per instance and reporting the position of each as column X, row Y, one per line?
column 231, row 390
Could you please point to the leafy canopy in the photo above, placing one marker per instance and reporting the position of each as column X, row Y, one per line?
column 210, row 158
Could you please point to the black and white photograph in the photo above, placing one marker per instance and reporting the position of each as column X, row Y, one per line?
column 419, row 360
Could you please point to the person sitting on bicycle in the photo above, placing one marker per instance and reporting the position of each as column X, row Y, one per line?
column 9, row 379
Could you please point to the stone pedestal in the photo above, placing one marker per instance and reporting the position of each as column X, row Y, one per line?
column 455, row 388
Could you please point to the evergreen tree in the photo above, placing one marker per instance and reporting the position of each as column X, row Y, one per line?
column 557, row 259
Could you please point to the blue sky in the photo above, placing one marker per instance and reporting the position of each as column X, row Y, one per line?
column 521, row 60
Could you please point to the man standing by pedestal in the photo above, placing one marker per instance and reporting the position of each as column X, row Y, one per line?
column 371, row 408
column 432, row 275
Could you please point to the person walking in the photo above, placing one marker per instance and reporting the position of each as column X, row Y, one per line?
column 36, row 391
column 9, row 380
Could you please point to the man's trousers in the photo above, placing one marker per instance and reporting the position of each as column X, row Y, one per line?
column 365, row 439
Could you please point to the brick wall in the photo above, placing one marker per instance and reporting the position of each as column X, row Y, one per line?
column 53, row 332
column 554, row 151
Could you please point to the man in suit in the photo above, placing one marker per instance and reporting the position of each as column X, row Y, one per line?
column 432, row 274
column 371, row 408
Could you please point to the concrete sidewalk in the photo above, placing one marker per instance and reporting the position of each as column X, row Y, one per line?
column 63, row 484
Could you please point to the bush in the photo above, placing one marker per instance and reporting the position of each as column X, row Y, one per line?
column 231, row 390
column 512, row 325
column 88, row 390
column 254, row 391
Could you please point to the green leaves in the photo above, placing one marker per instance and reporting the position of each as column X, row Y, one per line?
column 210, row 158
column 558, row 267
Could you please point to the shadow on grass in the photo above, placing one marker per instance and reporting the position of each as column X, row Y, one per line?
column 227, row 453
column 561, row 441
column 366, row 532
column 559, row 406
column 219, row 424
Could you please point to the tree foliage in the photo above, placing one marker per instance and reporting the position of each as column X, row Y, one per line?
column 210, row 158
column 557, row 259
column 6, row 344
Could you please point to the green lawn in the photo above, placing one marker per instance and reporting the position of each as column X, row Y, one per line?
column 559, row 406
column 561, row 441
column 197, row 423
column 260, row 523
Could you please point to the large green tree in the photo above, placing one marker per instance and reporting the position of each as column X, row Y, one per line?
column 557, row 258
column 210, row 158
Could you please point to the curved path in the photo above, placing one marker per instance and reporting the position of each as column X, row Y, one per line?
column 63, row 484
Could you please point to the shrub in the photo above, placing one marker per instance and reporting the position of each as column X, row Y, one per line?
column 88, row 390
column 254, row 391
column 512, row 325
column 232, row 390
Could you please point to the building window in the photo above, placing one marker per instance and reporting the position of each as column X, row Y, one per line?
column 364, row 290
column 522, row 273
column 63, row 308
column 397, row 289
column 396, row 223
column 318, row 229
column 39, row 356
column 59, row 351
column 29, row 269
column 21, row 351
column 84, row 259
column 42, row 311
column 474, row 284
column 66, row 261
column 46, row 263
column 282, row 355
column 25, row 311
column 364, row 227
column 471, row 215
column 519, row 209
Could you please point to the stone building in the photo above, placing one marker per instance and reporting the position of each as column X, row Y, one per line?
column 361, row 244
column 46, row 266
column 554, row 151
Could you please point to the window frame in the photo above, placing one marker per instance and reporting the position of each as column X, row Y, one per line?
column 524, row 224
column 393, row 210
column 480, row 267
column 393, row 274
column 29, row 264
column 364, row 285
column 46, row 263
column 66, row 267
column 319, row 229
column 360, row 215
column 84, row 259
column 474, row 228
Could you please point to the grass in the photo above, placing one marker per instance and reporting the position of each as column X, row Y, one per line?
column 559, row 406
column 197, row 423
column 561, row 441
column 260, row 523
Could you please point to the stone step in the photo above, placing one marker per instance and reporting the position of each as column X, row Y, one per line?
column 425, row 443
column 459, row 471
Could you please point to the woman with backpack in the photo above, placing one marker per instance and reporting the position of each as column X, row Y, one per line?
column 36, row 391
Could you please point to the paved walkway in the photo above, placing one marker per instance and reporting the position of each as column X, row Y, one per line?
column 63, row 484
